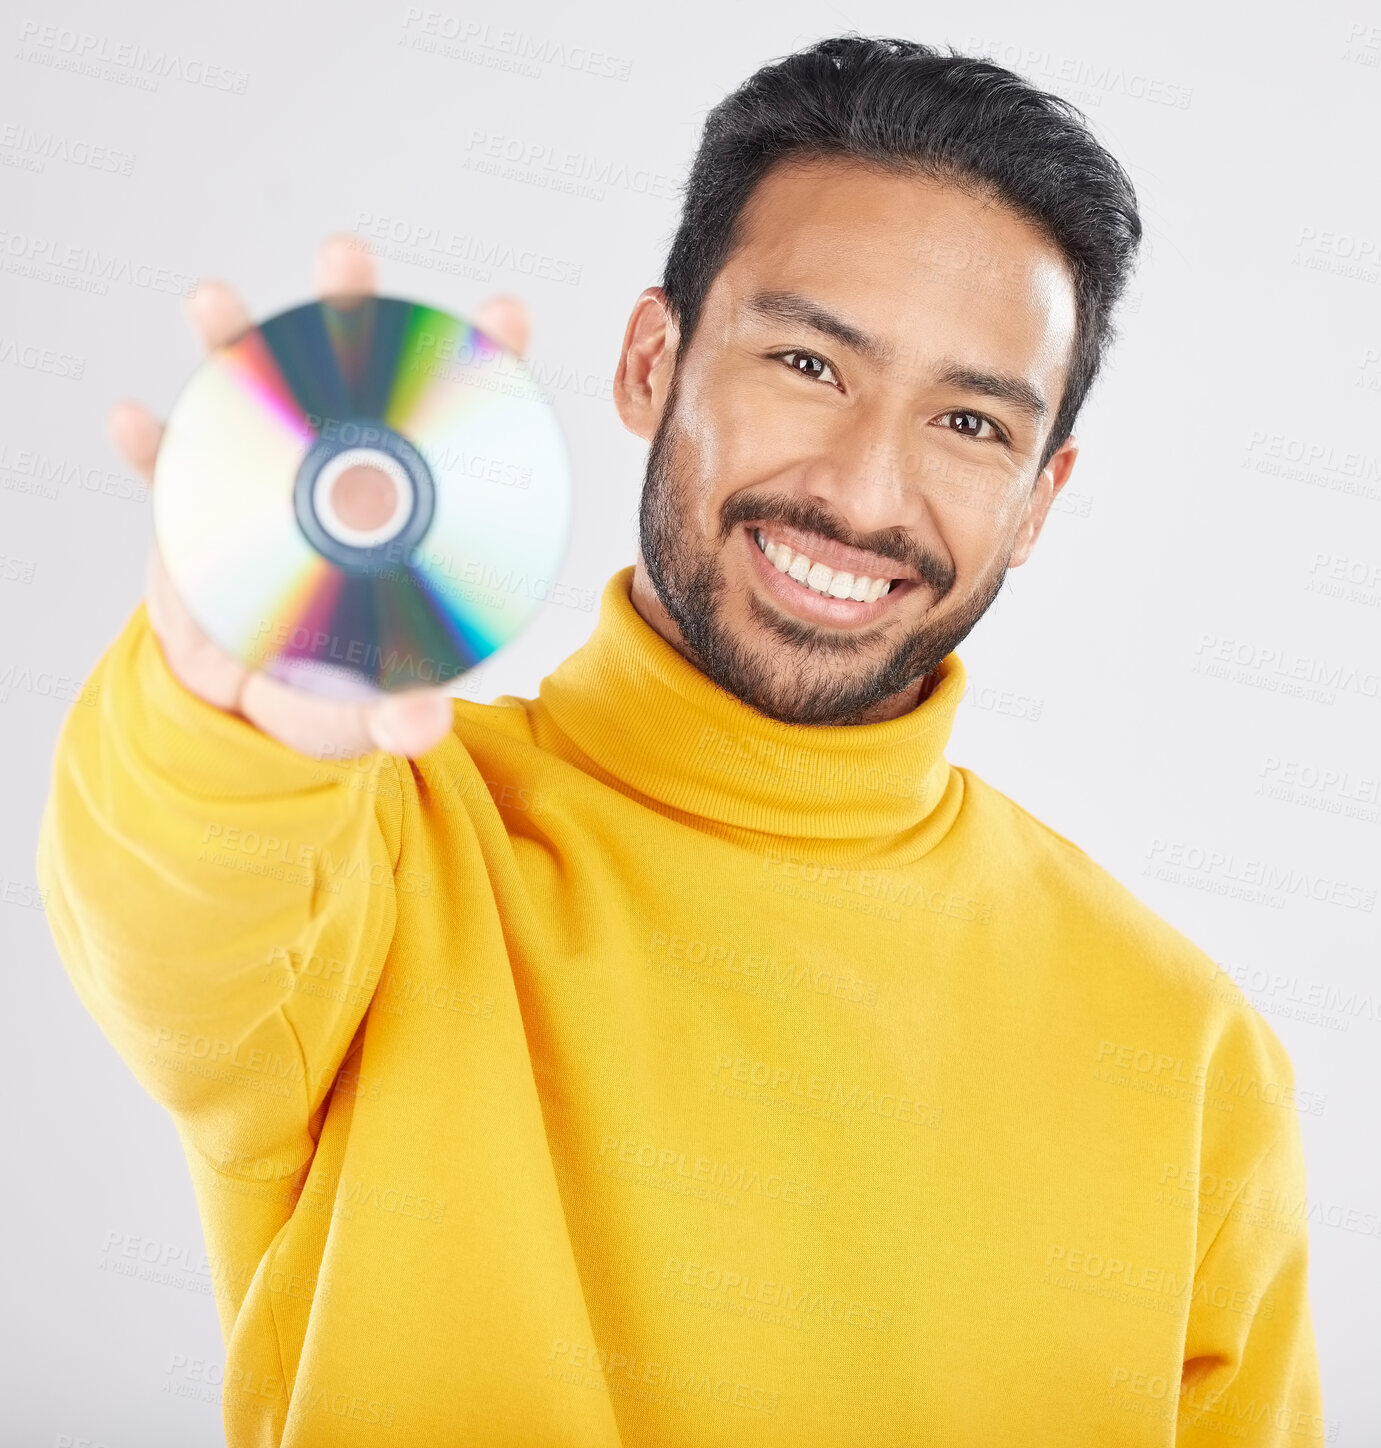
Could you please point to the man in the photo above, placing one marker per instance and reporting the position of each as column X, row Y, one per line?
column 691, row 1054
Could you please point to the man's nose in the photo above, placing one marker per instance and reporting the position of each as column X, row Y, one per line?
column 875, row 471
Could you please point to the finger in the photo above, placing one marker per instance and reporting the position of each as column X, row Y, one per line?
column 345, row 267
column 136, row 433
column 411, row 723
column 407, row 724
column 196, row 659
column 506, row 319
column 217, row 313
column 318, row 727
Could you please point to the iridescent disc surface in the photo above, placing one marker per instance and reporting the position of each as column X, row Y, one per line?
column 362, row 494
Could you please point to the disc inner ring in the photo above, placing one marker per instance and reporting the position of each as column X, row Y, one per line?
column 364, row 498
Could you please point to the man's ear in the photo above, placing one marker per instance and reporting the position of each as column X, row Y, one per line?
column 1053, row 476
column 646, row 363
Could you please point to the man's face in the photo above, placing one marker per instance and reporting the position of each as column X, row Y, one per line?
column 843, row 459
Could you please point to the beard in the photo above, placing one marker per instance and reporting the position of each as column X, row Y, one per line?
column 789, row 670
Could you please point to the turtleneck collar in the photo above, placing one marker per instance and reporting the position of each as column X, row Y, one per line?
column 645, row 720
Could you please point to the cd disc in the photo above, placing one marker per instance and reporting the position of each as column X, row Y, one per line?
column 362, row 495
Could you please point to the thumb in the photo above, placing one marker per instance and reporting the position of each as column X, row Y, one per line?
column 410, row 723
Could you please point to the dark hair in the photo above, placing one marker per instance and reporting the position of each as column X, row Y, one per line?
column 905, row 107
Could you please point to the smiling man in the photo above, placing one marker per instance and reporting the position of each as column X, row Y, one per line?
column 691, row 1054
column 824, row 522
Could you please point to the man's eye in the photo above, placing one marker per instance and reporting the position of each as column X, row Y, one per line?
column 971, row 424
column 809, row 365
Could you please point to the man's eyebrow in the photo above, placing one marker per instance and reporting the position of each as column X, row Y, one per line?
column 792, row 307
column 1011, row 389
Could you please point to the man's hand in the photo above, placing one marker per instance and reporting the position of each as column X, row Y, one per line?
column 408, row 723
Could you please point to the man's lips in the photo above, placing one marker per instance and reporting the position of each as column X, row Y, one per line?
column 805, row 602
column 837, row 557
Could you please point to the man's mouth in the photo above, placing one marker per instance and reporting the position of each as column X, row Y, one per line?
column 819, row 577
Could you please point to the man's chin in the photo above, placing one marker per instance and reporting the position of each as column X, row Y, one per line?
column 791, row 680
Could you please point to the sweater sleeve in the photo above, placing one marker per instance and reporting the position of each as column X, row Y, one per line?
column 1250, row 1365
column 222, row 905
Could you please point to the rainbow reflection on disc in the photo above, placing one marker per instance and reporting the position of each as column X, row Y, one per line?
column 362, row 494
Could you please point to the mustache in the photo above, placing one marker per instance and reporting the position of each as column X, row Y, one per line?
column 812, row 516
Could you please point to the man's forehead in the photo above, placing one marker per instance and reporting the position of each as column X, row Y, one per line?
column 808, row 199
column 809, row 225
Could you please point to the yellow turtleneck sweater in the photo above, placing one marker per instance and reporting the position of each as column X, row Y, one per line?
column 637, row 1070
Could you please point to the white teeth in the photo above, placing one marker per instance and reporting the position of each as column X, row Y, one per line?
column 841, row 585
column 819, row 578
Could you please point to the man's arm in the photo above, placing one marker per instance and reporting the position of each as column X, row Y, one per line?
column 1249, row 1357
column 218, row 853
column 223, row 905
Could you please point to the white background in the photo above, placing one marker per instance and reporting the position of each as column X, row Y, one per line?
column 1221, row 532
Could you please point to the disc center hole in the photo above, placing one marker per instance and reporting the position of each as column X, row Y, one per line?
column 364, row 497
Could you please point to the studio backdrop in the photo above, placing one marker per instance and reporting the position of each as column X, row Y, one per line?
column 1185, row 679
